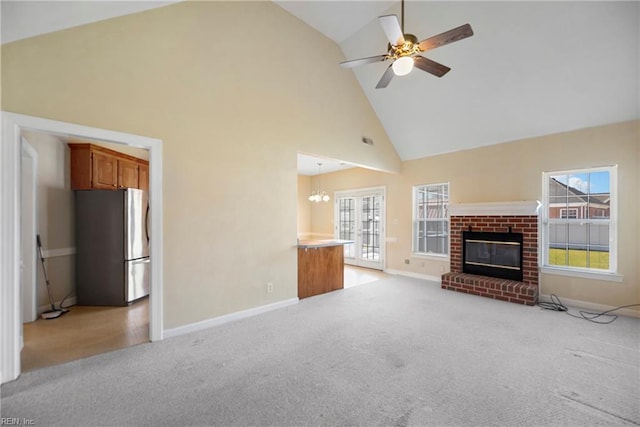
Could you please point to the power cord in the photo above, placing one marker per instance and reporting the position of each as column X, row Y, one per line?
column 556, row 305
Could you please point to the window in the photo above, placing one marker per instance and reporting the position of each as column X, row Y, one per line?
column 431, row 219
column 579, row 220
column 569, row 213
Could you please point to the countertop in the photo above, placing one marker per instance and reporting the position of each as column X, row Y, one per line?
column 306, row 244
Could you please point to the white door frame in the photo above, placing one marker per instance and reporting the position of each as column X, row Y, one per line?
column 28, row 263
column 10, row 244
column 358, row 193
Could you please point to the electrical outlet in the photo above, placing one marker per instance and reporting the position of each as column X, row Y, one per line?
column 269, row 287
column 422, row 264
column 406, row 261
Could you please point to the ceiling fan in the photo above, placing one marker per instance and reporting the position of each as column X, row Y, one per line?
column 404, row 49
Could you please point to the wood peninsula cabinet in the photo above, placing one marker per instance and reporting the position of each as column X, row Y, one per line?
column 97, row 168
column 320, row 266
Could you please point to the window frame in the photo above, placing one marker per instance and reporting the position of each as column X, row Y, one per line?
column 611, row 274
column 414, row 221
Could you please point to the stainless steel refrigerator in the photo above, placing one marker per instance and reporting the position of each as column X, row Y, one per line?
column 112, row 246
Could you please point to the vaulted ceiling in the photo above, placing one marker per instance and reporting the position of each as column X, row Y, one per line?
column 531, row 68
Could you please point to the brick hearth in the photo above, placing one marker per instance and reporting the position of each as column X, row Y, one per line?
column 525, row 292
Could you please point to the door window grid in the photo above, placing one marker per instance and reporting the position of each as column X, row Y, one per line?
column 347, row 222
column 370, row 228
column 362, row 219
column 431, row 219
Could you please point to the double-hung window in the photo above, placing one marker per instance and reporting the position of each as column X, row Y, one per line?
column 579, row 221
column 431, row 219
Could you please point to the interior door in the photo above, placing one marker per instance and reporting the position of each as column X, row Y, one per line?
column 359, row 216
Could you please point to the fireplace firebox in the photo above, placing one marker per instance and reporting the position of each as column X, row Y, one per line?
column 492, row 254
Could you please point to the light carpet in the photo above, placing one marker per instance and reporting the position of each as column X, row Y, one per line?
column 396, row 352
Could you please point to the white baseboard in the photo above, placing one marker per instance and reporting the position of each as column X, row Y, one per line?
column 231, row 317
column 414, row 275
column 68, row 302
column 596, row 308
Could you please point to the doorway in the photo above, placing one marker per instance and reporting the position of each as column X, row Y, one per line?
column 84, row 330
column 10, row 227
column 360, row 216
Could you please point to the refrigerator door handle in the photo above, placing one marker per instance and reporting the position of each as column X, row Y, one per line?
column 146, row 223
column 141, row 261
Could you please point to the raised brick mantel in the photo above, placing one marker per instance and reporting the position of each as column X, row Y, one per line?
column 521, row 217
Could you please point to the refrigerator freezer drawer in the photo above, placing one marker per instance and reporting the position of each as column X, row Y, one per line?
column 137, row 276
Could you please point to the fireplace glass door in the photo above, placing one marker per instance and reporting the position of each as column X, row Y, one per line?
column 493, row 254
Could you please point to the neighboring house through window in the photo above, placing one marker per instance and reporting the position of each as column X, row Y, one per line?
column 571, row 213
column 579, row 218
column 431, row 219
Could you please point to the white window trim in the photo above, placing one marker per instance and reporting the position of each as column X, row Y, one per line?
column 582, row 273
column 430, row 255
column 612, row 273
column 447, row 218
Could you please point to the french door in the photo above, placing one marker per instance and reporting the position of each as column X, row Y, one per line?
column 359, row 216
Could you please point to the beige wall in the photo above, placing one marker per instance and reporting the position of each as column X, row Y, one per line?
column 55, row 216
column 511, row 172
column 304, row 206
column 234, row 90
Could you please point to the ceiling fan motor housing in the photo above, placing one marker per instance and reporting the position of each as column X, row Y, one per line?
column 410, row 47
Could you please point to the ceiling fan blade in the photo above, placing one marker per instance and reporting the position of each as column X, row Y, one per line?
column 430, row 66
column 386, row 78
column 392, row 29
column 459, row 33
column 355, row 62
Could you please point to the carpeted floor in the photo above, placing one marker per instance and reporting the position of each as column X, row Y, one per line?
column 396, row 352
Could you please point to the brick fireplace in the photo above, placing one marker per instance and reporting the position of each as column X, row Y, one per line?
column 492, row 218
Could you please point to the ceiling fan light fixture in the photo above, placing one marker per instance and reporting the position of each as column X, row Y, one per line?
column 402, row 66
column 406, row 51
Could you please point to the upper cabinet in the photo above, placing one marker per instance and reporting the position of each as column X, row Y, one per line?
column 95, row 167
column 143, row 176
column 128, row 174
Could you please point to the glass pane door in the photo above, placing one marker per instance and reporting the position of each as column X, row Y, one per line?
column 359, row 217
column 347, row 224
column 370, row 228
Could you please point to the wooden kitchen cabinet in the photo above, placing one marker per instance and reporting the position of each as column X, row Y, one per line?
column 143, row 175
column 95, row 167
column 103, row 174
column 127, row 174
column 320, row 270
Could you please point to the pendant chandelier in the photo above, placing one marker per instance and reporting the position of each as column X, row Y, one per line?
column 317, row 195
